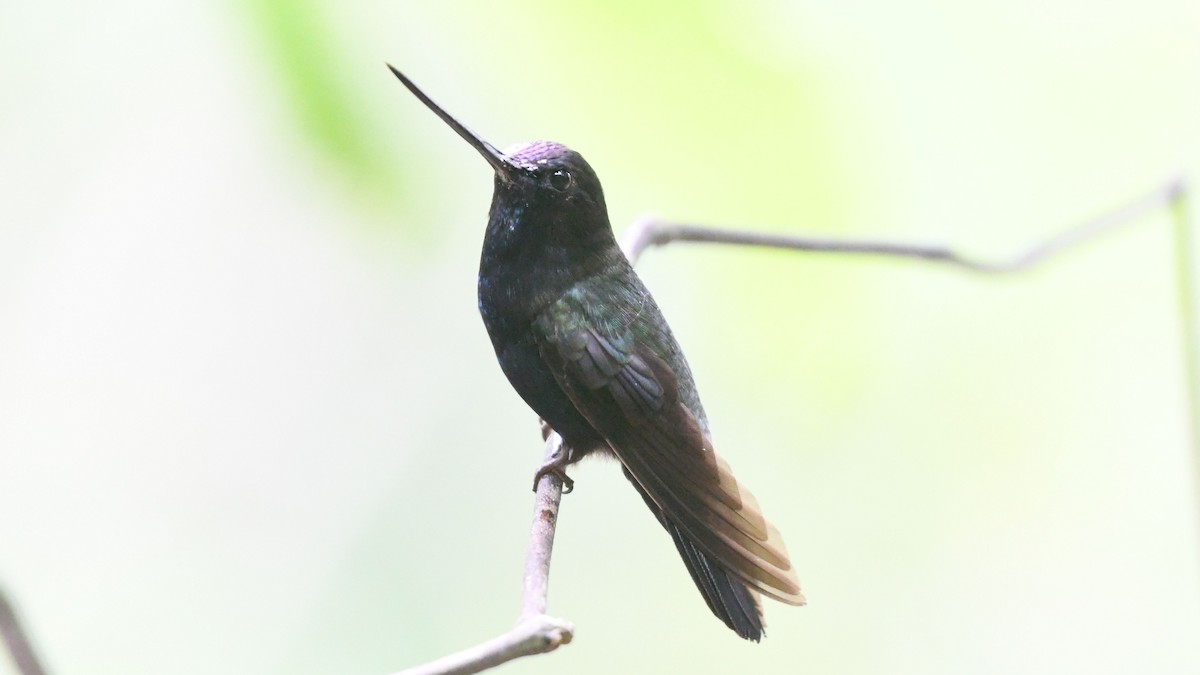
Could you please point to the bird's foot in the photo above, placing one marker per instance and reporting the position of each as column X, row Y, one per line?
column 559, row 472
column 556, row 466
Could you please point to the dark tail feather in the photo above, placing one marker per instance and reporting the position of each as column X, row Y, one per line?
column 728, row 598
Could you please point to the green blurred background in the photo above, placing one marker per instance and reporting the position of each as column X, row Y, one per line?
column 250, row 421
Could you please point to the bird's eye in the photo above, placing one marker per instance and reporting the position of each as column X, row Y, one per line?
column 560, row 180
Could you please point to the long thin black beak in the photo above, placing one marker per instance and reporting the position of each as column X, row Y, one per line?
column 500, row 162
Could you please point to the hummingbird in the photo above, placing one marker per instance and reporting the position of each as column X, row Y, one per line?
column 583, row 342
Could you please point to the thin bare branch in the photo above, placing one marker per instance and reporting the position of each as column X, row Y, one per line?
column 17, row 640
column 653, row 232
column 534, row 633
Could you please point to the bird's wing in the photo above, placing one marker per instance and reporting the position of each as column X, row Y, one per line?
column 631, row 397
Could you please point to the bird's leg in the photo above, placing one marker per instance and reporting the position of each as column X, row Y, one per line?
column 557, row 463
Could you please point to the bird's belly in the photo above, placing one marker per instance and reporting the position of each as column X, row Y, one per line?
column 523, row 366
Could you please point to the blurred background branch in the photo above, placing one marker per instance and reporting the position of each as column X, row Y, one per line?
column 1173, row 194
column 17, row 641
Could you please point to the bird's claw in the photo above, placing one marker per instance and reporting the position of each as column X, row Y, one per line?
column 555, row 466
column 561, row 473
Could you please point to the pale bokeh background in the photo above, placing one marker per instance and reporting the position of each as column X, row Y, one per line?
column 250, row 421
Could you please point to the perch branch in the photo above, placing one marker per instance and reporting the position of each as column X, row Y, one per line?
column 537, row 633
column 17, row 640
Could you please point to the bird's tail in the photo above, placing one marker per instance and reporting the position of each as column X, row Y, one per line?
column 729, row 599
